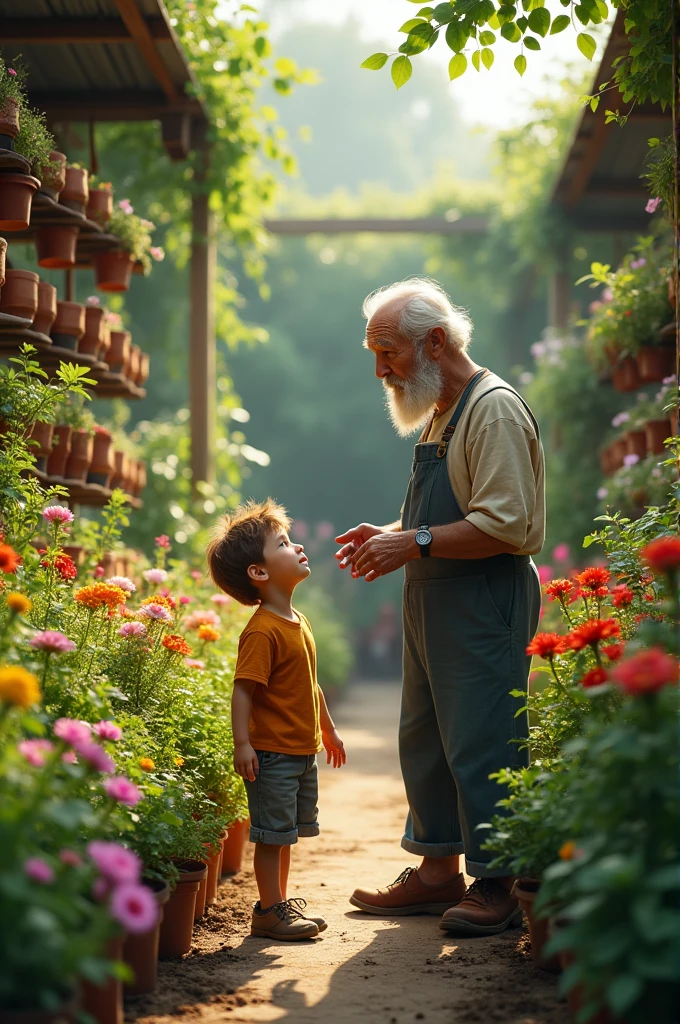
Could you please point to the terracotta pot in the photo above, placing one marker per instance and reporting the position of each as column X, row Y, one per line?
column 105, row 1002
column 47, row 308
column 91, row 342
column 69, row 325
column 56, row 247
column 131, row 370
column 626, row 376
column 102, row 466
column 100, row 206
column 19, row 295
column 105, row 341
column 202, row 895
column 75, row 192
column 674, row 422
column 143, row 374
column 618, row 451
column 120, row 472
column 575, row 995
column 234, row 845
column 140, row 952
column 16, row 196
column 119, row 351
column 76, row 552
column 61, row 448
column 655, row 362
column 214, row 862
column 80, row 456
column 526, row 891
column 42, row 433
column 605, row 461
column 657, row 431
column 67, row 1013
column 141, row 478
column 178, row 919
column 9, row 119
column 112, row 270
column 636, row 443
column 129, row 484
column 3, row 254
column 53, row 175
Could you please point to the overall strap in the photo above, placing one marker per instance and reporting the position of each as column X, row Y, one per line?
column 448, row 431
column 502, row 387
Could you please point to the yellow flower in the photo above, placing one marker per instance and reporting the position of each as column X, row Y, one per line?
column 179, row 761
column 567, row 850
column 208, row 633
column 17, row 686
column 147, row 764
column 19, row 603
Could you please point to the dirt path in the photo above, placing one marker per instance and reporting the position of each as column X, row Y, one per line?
column 363, row 968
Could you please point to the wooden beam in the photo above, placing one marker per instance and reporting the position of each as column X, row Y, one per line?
column 586, row 165
column 202, row 382
column 139, row 30
column 117, row 105
column 417, row 225
column 62, row 30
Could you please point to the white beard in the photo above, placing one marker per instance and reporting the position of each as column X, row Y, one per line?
column 410, row 402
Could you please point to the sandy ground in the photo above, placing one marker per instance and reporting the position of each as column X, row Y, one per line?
column 362, row 968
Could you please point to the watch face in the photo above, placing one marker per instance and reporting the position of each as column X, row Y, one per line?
column 423, row 537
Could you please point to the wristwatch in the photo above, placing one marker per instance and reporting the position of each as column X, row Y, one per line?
column 424, row 540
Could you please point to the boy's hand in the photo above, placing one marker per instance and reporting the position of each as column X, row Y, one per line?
column 335, row 748
column 245, row 762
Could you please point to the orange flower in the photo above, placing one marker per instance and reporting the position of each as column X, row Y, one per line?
column 167, row 602
column 179, row 761
column 9, row 559
column 593, row 578
column 567, row 850
column 19, row 603
column 177, row 644
column 622, row 595
column 208, row 633
column 558, row 589
column 595, row 677
column 547, row 645
column 99, row 594
column 662, row 555
column 592, row 632
column 147, row 764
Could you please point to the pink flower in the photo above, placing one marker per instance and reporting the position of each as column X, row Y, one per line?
column 71, row 731
column 100, row 571
column 107, row 730
column 299, row 530
column 325, row 530
column 123, row 582
column 155, row 611
column 157, row 252
column 93, row 300
column 100, row 889
column 58, row 514
column 220, row 599
column 545, row 573
column 35, row 751
column 70, row 858
column 184, row 599
column 637, row 264
column 135, row 908
column 132, row 629
column 155, row 576
column 607, row 295
column 115, row 862
column 95, row 756
column 148, row 224
column 631, row 460
column 196, row 575
column 163, row 541
column 561, row 552
column 52, row 641
column 202, row 618
column 39, row 871
column 123, row 791
column 653, row 204
column 69, row 757
column 11, row 71
column 126, row 206
column 194, row 663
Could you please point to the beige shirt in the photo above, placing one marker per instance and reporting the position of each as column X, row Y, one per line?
column 496, row 466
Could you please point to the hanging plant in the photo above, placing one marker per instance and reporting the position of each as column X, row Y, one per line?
column 34, row 141
column 135, row 234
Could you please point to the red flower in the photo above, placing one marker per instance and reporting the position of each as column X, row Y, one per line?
column 64, row 565
column 614, row 651
column 592, row 632
column 622, row 595
column 163, row 541
column 662, row 555
column 646, row 672
column 9, row 559
column 649, row 597
column 558, row 589
column 546, row 645
column 576, row 594
column 593, row 578
column 595, row 677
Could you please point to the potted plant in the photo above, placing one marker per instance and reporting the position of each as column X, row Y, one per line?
column 47, row 308
column 12, row 97
column 81, row 421
column 100, row 201
column 92, row 341
column 69, row 325
column 56, row 246
column 52, row 174
column 113, row 268
column 19, row 295
column 3, row 255
column 75, row 193
column 102, row 466
column 119, row 348
column 22, row 130
column 61, row 448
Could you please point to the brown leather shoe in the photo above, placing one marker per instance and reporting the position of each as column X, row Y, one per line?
column 282, row 921
column 301, row 905
column 486, row 909
column 408, row 895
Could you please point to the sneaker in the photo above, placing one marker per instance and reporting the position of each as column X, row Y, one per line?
column 301, row 905
column 487, row 908
column 282, row 921
column 408, row 895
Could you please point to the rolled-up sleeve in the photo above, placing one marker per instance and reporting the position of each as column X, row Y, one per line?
column 503, row 498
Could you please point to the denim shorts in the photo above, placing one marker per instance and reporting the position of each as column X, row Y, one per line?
column 283, row 798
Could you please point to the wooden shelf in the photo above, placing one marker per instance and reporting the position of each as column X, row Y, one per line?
column 82, row 493
column 11, row 161
column 13, row 323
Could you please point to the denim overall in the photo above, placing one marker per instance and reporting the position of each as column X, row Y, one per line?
column 467, row 623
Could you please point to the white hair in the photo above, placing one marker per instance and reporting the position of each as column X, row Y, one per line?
column 426, row 306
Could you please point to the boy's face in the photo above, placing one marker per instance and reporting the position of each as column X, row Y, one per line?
column 285, row 563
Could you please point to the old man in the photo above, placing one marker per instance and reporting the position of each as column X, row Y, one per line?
column 473, row 515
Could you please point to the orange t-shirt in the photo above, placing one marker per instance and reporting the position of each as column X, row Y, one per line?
column 281, row 655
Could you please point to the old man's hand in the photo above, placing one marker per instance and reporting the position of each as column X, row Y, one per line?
column 384, row 553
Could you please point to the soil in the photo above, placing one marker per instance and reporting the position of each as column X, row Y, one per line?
column 363, row 968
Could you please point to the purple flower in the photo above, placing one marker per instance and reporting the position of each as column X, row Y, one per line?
column 602, row 493
column 155, row 611
column 58, row 514
column 118, row 864
column 637, row 264
column 35, row 751
column 95, row 756
column 71, row 731
column 123, row 582
column 53, row 642
column 155, row 576
column 107, row 730
column 631, row 460
column 123, row 791
column 132, row 629
column 39, row 871
column 620, row 418
column 134, row 907
column 653, row 204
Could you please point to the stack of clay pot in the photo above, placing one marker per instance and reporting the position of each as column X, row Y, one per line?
column 69, row 325
column 24, row 294
column 102, row 465
column 97, row 338
column 17, row 186
column 79, row 456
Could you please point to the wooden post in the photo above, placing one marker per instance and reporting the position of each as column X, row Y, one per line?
column 202, row 339
column 559, row 291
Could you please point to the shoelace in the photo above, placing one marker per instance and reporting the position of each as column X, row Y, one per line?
column 479, row 890
column 403, row 877
column 288, row 911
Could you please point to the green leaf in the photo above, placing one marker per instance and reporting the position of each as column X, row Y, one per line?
column 511, row 33
column 425, row 12
column 522, row 24
column 419, row 39
column 456, row 36
column 520, row 64
column 586, row 45
column 262, row 47
column 487, row 58
column 401, row 71
column 594, row 103
column 444, row 13
column 375, row 61
column 487, row 38
column 457, row 66
column 494, row 22
column 531, row 43
column 559, row 24
column 409, row 25
column 476, row 58
column 171, row 819
column 539, row 21
column 623, row 991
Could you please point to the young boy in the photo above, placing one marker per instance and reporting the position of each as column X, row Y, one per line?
column 279, row 715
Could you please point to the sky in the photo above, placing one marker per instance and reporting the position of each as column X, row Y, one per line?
column 497, row 99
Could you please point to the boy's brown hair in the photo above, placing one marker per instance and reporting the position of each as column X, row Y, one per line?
column 238, row 542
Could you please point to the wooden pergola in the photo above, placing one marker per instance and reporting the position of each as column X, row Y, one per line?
column 91, row 61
